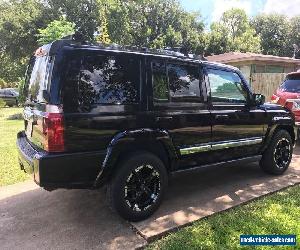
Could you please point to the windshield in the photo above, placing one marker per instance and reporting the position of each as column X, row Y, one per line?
column 36, row 80
column 292, row 86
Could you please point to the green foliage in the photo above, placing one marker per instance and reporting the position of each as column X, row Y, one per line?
column 19, row 24
column 274, row 214
column 294, row 36
column 227, row 87
column 2, row 103
column 55, row 30
column 83, row 13
column 10, row 172
column 24, row 24
column 103, row 36
column 154, row 24
column 233, row 33
column 274, row 32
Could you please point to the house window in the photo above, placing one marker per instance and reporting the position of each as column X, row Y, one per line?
column 274, row 69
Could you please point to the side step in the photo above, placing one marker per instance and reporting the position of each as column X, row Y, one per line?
column 236, row 162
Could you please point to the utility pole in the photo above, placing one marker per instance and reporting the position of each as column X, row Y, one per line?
column 296, row 50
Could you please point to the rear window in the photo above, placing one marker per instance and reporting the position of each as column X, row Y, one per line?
column 291, row 84
column 37, row 77
column 100, row 79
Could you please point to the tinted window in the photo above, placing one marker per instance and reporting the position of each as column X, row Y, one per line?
column 160, row 81
column 184, row 83
column 291, row 84
column 36, row 79
column 175, row 82
column 226, row 87
column 98, row 79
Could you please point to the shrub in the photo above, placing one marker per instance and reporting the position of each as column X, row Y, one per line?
column 2, row 103
column 17, row 116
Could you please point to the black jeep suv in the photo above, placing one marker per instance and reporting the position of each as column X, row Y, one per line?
column 128, row 119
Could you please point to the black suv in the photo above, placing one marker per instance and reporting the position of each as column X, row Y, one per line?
column 128, row 119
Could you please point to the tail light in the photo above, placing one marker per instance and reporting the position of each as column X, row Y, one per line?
column 293, row 105
column 275, row 99
column 53, row 128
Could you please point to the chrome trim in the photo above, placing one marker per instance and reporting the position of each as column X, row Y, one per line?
column 237, row 143
column 278, row 118
column 221, row 145
column 196, row 149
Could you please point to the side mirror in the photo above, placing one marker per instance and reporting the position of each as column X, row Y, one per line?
column 259, row 99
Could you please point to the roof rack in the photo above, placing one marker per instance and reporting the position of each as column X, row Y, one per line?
column 77, row 39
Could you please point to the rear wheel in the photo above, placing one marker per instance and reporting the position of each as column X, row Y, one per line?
column 277, row 158
column 137, row 188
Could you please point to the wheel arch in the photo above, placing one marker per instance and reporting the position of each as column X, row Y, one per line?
column 157, row 142
column 274, row 129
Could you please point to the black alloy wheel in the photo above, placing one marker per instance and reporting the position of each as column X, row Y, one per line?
column 278, row 155
column 138, row 186
column 282, row 153
column 142, row 188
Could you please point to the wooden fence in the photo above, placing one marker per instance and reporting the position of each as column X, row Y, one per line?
column 266, row 83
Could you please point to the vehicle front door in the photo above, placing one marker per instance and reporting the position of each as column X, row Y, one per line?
column 237, row 126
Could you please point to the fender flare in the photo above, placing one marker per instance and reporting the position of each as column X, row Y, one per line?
column 123, row 140
column 275, row 126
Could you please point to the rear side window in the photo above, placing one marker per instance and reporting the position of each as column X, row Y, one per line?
column 174, row 82
column 184, row 83
column 160, row 81
column 37, row 77
column 101, row 79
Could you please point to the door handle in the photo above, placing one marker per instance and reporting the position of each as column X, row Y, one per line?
column 222, row 116
column 164, row 118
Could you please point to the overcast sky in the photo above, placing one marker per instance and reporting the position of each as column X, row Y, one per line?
column 212, row 10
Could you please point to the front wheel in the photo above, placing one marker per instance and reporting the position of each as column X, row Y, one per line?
column 137, row 188
column 277, row 157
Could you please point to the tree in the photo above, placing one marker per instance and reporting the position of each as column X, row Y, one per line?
column 83, row 13
column 103, row 36
column 55, row 30
column 235, row 21
column 233, row 33
column 19, row 24
column 294, row 36
column 154, row 24
column 218, row 41
column 274, row 30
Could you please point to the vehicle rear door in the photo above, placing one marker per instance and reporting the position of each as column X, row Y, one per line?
column 180, row 106
column 237, row 126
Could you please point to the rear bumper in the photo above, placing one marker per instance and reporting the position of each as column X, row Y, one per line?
column 59, row 170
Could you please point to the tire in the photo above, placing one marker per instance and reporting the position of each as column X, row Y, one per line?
column 277, row 157
column 138, row 186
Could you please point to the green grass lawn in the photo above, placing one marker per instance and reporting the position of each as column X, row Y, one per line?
column 278, row 213
column 10, row 172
